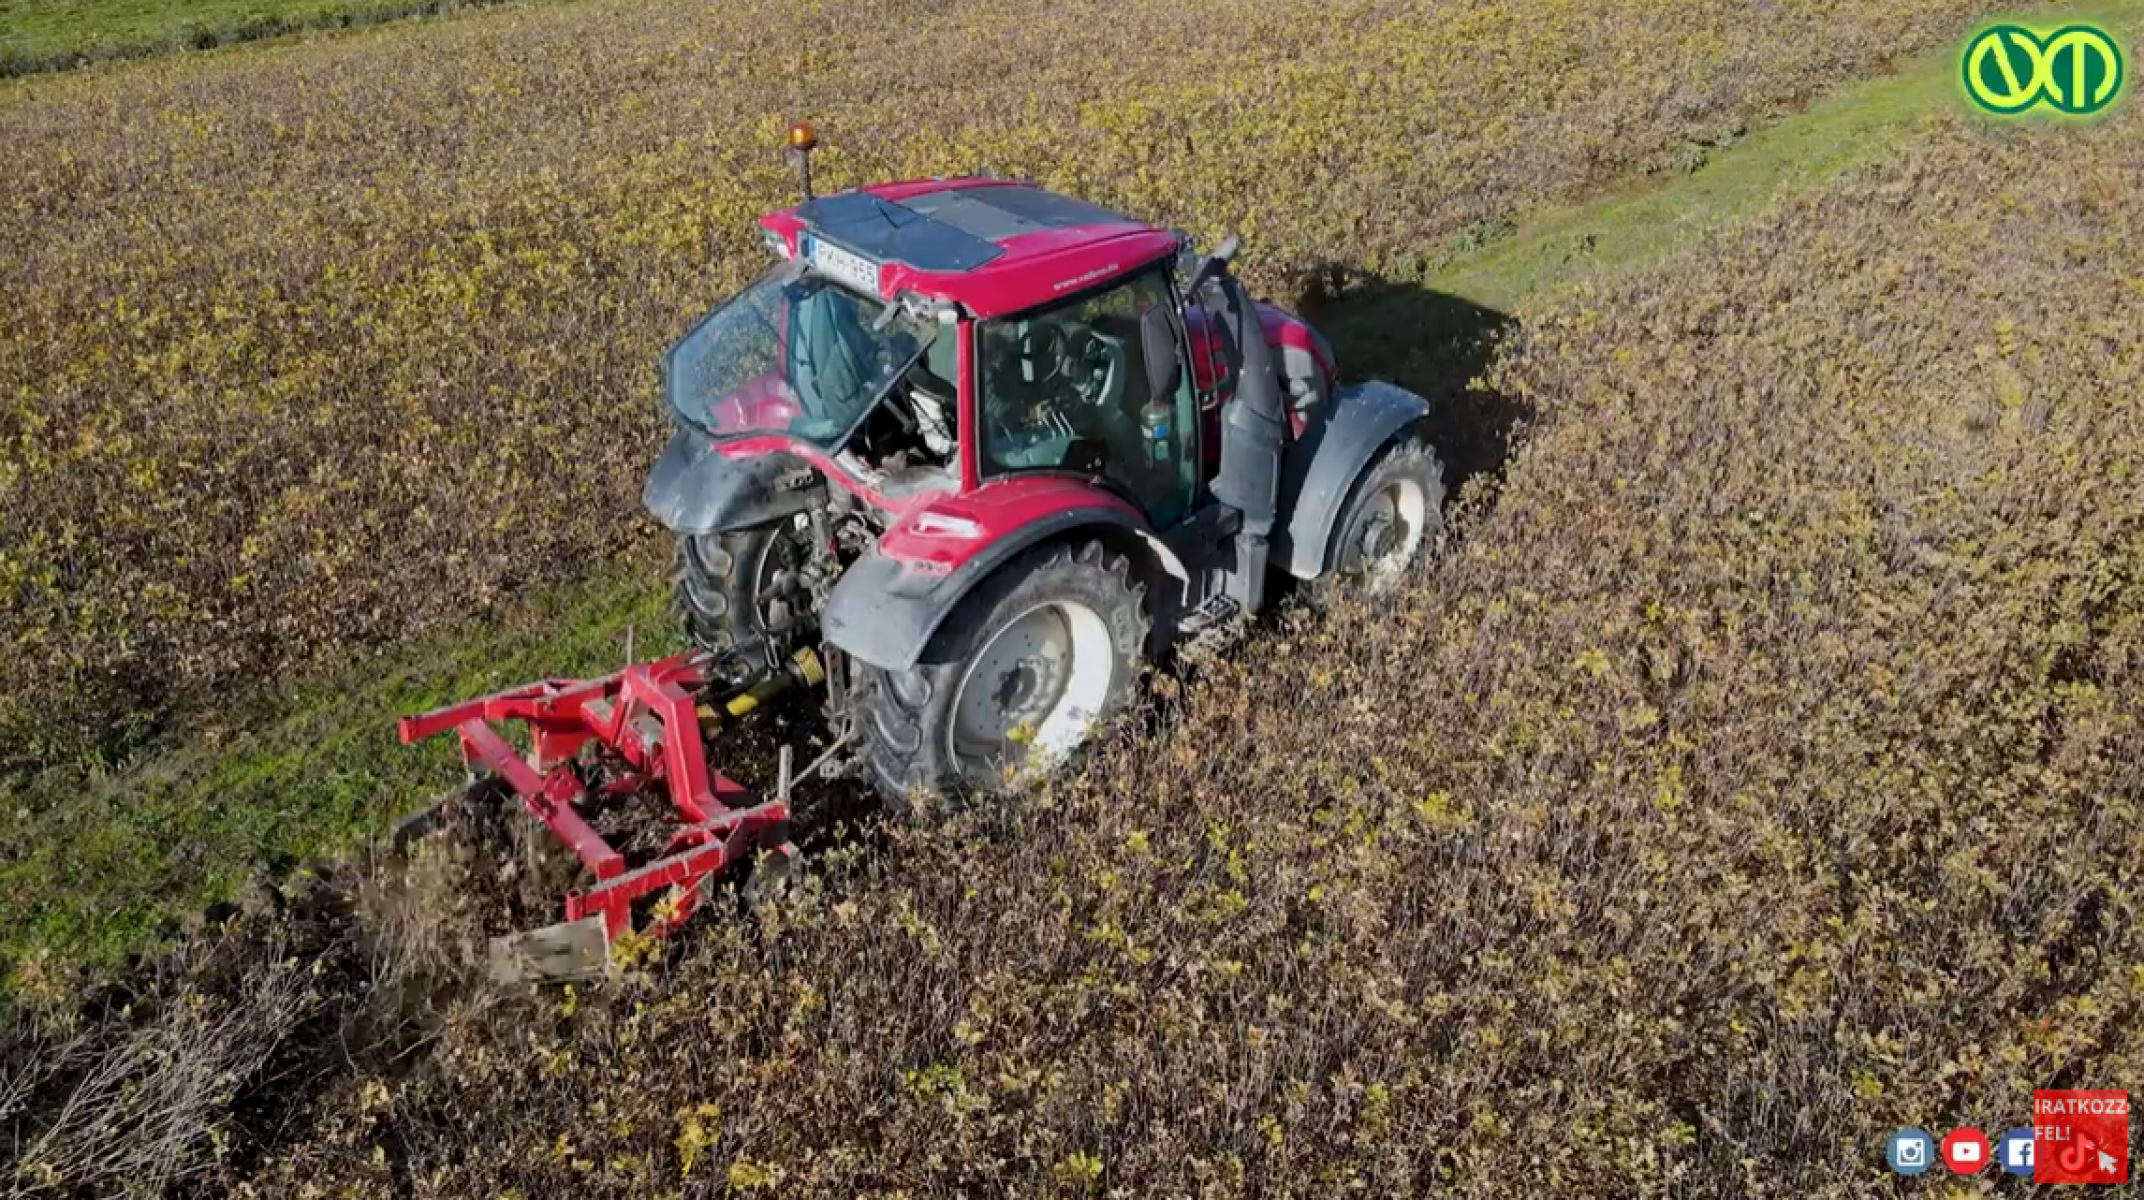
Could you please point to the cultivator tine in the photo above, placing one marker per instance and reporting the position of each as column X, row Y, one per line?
column 419, row 825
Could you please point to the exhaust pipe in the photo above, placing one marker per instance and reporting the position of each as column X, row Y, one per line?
column 1253, row 431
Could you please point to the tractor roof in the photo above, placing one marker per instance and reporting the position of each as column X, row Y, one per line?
column 992, row 246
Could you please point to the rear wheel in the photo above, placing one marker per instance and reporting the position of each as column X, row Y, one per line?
column 744, row 584
column 1392, row 519
column 1014, row 681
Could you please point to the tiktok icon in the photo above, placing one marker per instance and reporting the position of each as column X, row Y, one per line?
column 2080, row 1137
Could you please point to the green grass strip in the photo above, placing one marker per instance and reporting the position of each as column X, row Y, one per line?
column 37, row 36
column 1633, row 225
column 99, row 870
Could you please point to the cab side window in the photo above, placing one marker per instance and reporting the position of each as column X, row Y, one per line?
column 1068, row 388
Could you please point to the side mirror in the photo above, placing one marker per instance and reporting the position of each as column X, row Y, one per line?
column 1212, row 265
column 1158, row 347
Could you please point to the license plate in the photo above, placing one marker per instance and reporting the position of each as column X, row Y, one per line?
column 842, row 265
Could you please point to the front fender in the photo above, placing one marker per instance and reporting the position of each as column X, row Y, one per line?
column 884, row 610
column 1322, row 468
column 693, row 490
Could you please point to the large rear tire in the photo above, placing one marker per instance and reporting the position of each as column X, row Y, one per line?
column 1013, row 682
column 744, row 584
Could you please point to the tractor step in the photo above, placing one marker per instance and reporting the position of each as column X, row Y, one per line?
column 1214, row 610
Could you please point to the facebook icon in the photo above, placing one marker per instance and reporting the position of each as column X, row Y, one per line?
column 2016, row 1152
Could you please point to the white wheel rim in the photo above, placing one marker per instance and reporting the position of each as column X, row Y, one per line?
column 1398, row 515
column 1037, row 687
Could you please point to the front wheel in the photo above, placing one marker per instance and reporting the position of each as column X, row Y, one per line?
column 1392, row 518
column 1013, row 682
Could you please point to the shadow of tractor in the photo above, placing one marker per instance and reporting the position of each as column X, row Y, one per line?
column 1436, row 345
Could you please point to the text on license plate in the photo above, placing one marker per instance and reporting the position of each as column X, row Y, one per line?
column 842, row 265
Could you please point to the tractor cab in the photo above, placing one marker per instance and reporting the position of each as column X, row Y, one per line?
column 1082, row 352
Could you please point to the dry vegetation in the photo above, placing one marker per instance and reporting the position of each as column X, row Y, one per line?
column 1759, row 772
column 307, row 349
column 176, row 1078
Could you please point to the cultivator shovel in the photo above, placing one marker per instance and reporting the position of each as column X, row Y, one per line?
column 613, row 752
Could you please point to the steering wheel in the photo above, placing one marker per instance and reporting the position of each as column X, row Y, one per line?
column 1094, row 369
column 1048, row 346
column 1072, row 355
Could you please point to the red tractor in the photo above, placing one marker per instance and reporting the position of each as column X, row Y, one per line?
column 966, row 453
column 951, row 435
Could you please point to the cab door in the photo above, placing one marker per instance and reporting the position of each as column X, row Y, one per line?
column 1096, row 386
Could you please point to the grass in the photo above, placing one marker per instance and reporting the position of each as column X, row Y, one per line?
column 49, row 35
column 106, row 869
column 170, row 835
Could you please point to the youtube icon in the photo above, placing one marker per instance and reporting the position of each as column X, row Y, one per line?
column 1965, row 1151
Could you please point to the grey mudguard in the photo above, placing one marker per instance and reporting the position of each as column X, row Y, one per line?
column 884, row 612
column 1322, row 468
column 694, row 490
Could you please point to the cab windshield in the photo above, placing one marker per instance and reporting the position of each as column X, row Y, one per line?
column 793, row 354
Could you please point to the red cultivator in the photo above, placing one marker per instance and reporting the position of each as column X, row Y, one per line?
column 646, row 721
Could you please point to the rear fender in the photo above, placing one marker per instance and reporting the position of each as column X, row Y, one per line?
column 1322, row 467
column 888, row 604
column 695, row 490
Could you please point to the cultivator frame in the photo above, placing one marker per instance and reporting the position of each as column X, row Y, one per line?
column 646, row 717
